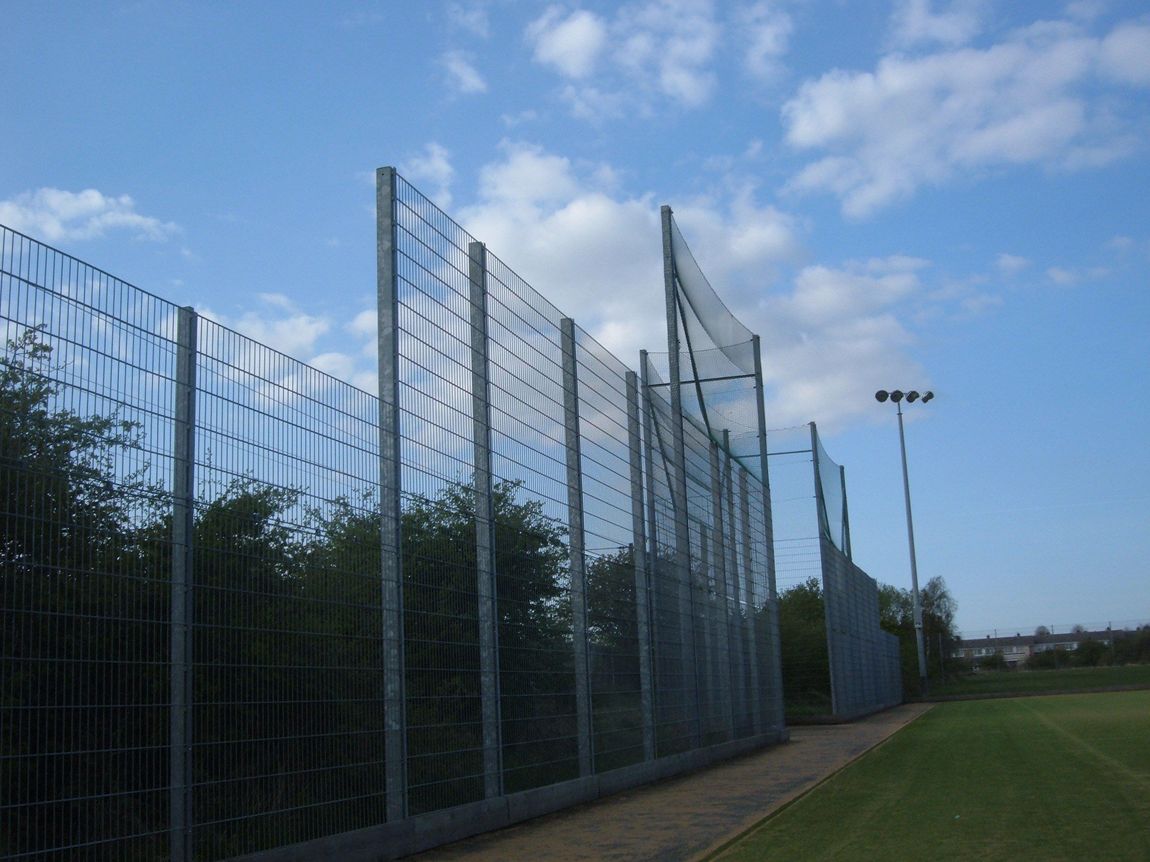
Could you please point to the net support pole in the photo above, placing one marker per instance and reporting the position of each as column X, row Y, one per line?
column 183, row 531
column 725, row 650
column 577, row 548
column 485, row 587
column 771, row 599
column 390, row 491
column 679, row 481
column 642, row 578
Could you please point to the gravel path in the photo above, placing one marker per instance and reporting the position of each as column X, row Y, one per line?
column 685, row 818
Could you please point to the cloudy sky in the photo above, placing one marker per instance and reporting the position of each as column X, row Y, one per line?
column 906, row 194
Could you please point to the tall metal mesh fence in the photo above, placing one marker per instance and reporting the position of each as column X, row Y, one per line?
column 181, row 595
column 244, row 605
column 837, row 659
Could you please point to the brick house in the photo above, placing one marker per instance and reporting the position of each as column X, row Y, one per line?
column 1016, row 649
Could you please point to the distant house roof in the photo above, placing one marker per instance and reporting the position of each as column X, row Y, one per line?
column 1050, row 641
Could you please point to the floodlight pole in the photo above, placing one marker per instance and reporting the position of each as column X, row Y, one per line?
column 922, row 678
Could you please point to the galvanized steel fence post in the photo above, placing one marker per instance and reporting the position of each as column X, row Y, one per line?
column 183, row 527
column 484, row 525
column 577, row 548
column 642, row 568
column 654, row 566
column 830, row 581
column 390, row 491
column 778, row 716
column 687, row 602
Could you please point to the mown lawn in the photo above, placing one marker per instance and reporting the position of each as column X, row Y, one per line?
column 1054, row 778
column 1033, row 681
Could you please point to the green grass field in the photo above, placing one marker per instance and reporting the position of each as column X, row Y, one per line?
column 1034, row 681
column 1053, row 778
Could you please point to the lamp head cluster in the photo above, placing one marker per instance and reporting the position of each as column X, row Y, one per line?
column 898, row 395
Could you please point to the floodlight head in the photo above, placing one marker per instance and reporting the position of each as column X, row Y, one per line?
column 926, row 396
column 896, row 396
column 912, row 396
column 881, row 396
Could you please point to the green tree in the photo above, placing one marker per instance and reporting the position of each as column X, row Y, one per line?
column 1050, row 659
column 1132, row 647
column 1091, row 653
column 896, row 615
column 83, row 618
column 803, row 635
column 613, row 644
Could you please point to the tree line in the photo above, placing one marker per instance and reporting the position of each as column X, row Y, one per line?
column 805, row 659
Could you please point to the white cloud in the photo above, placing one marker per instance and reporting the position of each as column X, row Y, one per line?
column 53, row 215
column 432, row 167
column 980, row 302
column 462, row 75
column 346, row 368
column 915, row 22
column 1125, row 54
column 657, row 49
column 471, row 18
column 571, row 44
column 766, row 30
column 277, row 323
column 1010, row 264
column 829, row 337
column 365, row 324
column 918, row 121
column 669, row 42
column 827, row 374
column 823, row 294
column 594, row 256
column 527, row 178
column 595, row 105
column 1064, row 277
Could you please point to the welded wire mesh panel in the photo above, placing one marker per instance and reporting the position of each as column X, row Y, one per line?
column 766, row 680
column 708, row 589
column 529, row 453
column 835, row 653
column 859, row 648
column 799, row 573
column 287, row 717
column 677, row 715
column 86, row 370
column 438, row 524
column 612, row 614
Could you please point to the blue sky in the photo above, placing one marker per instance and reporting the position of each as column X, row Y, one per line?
column 911, row 194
